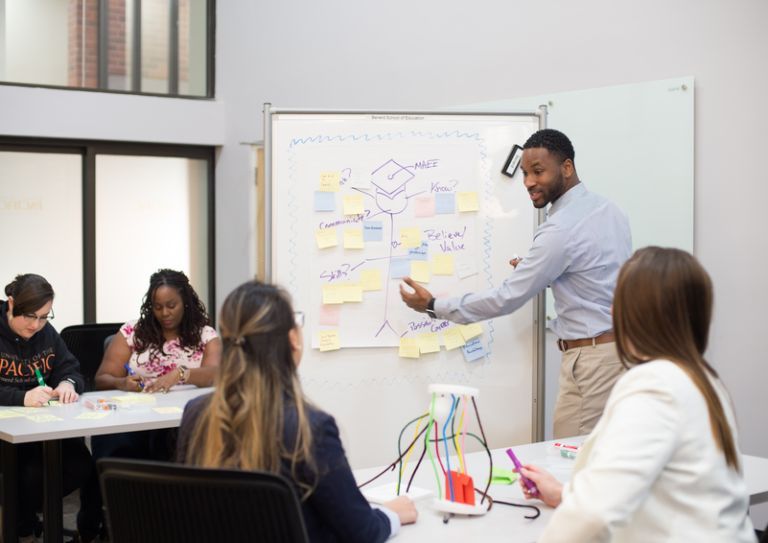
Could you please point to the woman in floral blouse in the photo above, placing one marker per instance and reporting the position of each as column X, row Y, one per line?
column 170, row 344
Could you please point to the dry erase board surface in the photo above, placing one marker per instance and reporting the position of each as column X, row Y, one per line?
column 357, row 201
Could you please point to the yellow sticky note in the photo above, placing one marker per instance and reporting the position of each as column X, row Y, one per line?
column 353, row 238
column 442, row 264
column 420, row 271
column 370, row 279
column 326, row 237
column 8, row 414
column 467, row 201
column 428, row 343
column 468, row 331
column 43, row 418
column 351, row 292
column 329, row 340
column 329, row 181
column 409, row 347
column 332, row 294
column 410, row 237
column 452, row 338
column 353, row 204
column 93, row 415
column 167, row 410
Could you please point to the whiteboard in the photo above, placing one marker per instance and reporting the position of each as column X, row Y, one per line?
column 401, row 193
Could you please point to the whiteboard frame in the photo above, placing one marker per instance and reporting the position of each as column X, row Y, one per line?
column 539, row 302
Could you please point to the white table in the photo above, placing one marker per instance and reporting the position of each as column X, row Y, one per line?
column 504, row 523
column 128, row 417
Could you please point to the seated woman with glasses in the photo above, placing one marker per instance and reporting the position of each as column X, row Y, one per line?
column 662, row 464
column 35, row 368
column 258, row 397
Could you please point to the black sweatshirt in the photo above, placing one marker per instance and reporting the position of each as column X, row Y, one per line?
column 19, row 358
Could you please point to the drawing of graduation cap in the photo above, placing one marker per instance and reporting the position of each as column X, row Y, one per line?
column 390, row 178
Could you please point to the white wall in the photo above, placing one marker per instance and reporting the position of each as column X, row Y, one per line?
column 36, row 41
column 431, row 53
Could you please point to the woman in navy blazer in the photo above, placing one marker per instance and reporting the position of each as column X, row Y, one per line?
column 258, row 396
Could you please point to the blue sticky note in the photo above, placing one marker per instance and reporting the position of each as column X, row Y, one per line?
column 419, row 253
column 325, row 201
column 445, row 203
column 473, row 350
column 399, row 267
column 372, row 230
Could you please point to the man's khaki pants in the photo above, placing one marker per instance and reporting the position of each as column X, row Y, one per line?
column 587, row 375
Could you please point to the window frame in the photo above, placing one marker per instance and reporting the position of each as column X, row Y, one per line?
column 173, row 60
column 89, row 150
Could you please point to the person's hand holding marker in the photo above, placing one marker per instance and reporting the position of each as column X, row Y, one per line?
column 132, row 382
column 549, row 489
column 515, row 261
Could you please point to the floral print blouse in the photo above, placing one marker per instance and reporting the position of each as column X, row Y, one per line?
column 172, row 355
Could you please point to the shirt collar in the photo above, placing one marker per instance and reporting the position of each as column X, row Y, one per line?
column 565, row 199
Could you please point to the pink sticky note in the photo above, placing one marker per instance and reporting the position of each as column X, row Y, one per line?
column 424, row 206
column 329, row 315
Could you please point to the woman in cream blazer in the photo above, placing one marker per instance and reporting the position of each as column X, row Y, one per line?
column 662, row 464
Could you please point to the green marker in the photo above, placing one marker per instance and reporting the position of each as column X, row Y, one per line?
column 41, row 381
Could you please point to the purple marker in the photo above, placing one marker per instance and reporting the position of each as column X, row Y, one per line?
column 530, row 485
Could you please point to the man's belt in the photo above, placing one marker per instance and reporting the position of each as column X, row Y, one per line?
column 566, row 344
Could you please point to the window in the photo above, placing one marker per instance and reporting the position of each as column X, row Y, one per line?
column 138, row 46
column 98, row 219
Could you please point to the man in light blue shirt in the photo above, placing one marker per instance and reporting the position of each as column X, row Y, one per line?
column 578, row 251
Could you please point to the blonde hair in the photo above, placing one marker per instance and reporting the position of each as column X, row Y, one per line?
column 257, row 383
column 662, row 309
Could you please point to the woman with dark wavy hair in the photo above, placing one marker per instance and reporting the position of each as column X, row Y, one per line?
column 170, row 344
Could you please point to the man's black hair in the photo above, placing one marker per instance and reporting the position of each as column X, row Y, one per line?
column 553, row 141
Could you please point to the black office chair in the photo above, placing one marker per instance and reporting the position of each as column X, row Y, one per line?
column 158, row 502
column 87, row 343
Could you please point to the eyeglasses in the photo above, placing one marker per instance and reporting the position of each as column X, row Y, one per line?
column 29, row 318
column 298, row 318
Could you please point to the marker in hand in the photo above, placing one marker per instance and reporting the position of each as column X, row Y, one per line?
column 130, row 371
column 40, row 380
column 530, row 485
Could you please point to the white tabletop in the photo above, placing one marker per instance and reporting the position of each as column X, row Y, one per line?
column 505, row 523
column 134, row 412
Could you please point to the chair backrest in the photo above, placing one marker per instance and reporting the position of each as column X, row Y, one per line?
column 86, row 342
column 161, row 502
